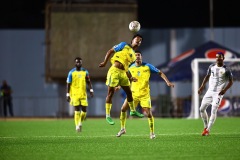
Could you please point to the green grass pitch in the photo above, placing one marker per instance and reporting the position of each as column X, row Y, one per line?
column 56, row 139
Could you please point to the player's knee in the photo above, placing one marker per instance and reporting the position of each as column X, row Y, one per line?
column 148, row 112
column 84, row 109
column 202, row 109
column 149, row 115
column 124, row 108
column 110, row 94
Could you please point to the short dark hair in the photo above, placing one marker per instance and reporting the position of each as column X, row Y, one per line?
column 136, row 35
column 220, row 53
column 77, row 58
column 138, row 52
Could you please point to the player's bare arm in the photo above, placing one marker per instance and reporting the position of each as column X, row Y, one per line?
column 224, row 90
column 205, row 80
column 166, row 79
column 108, row 55
column 67, row 92
column 90, row 86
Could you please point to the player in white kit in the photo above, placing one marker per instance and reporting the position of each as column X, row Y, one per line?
column 220, row 80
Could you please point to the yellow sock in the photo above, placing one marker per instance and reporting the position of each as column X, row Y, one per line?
column 131, row 105
column 123, row 117
column 82, row 117
column 151, row 124
column 76, row 117
column 108, row 109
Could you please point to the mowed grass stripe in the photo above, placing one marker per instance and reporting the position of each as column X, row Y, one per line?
column 125, row 135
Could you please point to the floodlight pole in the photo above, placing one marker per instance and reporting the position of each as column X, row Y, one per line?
column 211, row 20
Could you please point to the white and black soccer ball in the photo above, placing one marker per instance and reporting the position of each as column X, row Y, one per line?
column 134, row 26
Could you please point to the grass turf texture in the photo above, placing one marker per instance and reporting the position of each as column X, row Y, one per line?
column 54, row 139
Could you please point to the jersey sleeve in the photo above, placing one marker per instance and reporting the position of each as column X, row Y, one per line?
column 229, row 74
column 69, row 77
column 152, row 68
column 209, row 69
column 87, row 74
column 119, row 46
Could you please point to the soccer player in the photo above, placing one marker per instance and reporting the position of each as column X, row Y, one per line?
column 76, row 91
column 220, row 80
column 141, row 91
column 124, row 55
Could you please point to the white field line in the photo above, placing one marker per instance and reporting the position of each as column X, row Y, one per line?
column 102, row 136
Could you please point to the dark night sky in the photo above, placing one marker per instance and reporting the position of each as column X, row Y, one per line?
column 29, row 14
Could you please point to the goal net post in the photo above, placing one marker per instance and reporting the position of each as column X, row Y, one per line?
column 199, row 68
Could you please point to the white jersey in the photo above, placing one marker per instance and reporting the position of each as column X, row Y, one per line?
column 219, row 77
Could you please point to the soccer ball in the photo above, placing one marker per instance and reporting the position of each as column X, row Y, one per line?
column 134, row 26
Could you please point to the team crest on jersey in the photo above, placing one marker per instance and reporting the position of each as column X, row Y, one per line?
column 138, row 73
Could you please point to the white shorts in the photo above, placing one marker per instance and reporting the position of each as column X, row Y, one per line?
column 211, row 98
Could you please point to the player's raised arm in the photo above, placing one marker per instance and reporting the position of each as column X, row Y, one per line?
column 164, row 77
column 108, row 55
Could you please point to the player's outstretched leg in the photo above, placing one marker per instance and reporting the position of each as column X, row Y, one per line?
column 136, row 114
column 121, row 132
column 108, row 117
column 110, row 121
column 133, row 112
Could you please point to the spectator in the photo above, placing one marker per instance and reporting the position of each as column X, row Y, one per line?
column 6, row 93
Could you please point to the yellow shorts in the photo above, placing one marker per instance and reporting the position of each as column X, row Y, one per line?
column 116, row 77
column 145, row 102
column 75, row 101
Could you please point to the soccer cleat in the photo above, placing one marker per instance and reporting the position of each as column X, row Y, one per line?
column 110, row 121
column 137, row 114
column 205, row 132
column 78, row 128
column 121, row 132
column 152, row 136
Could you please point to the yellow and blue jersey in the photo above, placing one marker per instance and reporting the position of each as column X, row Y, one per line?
column 142, row 73
column 78, row 82
column 124, row 54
